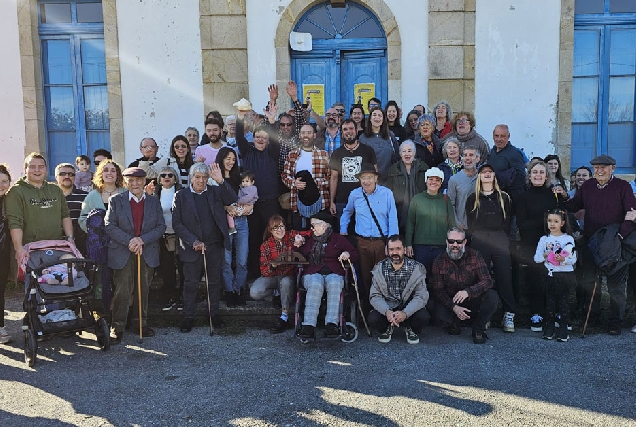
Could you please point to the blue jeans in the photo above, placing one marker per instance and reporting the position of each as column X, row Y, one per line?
column 316, row 284
column 426, row 254
column 235, row 280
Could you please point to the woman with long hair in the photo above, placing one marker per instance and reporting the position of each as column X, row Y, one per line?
column 410, row 124
column 356, row 113
column 489, row 212
column 235, row 280
column 443, row 114
column 378, row 136
column 392, row 111
column 5, row 249
column 181, row 152
column 555, row 175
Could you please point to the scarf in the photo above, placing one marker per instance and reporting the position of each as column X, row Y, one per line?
column 318, row 249
column 454, row 167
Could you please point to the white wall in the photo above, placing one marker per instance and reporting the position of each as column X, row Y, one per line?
column 12, row 136
column 161, row 73
column 263, row 17
column 516, row 71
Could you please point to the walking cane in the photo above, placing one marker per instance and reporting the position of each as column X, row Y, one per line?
column 589, row 308
column 139, row 295
column 207, row 291
column 355, row 286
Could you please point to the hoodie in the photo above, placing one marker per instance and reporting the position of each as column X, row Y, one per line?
column 38, row 212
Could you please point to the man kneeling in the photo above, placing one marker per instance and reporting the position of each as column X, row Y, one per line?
column 398, row 294
column 461, row 287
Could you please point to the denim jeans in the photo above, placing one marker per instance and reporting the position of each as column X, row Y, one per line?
column 235, row 280
column 316, row 284
column 426, row 254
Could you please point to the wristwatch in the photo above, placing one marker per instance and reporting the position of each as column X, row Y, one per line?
column 70, row 238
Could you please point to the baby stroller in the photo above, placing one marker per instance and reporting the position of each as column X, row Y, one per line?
column 347, row 310
column 56, row 303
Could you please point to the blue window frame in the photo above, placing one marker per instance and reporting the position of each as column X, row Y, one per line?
column 74, row 78
column 604, row 83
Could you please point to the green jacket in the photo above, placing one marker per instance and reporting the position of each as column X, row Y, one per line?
column 38, row 212
column 429, row 219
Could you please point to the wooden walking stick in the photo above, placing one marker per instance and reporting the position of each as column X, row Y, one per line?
column 139, row 296
column 355, row 286
column 589, row 308
column 207, row 291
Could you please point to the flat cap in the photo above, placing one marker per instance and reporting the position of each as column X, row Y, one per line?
column 138, row 172
column 603, row 159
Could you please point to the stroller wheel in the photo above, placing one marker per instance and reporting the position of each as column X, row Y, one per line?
column 102, row 332
column 30, row 347
column 349, row 332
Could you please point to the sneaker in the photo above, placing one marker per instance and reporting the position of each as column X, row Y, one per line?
column 634, row 329
column 508, row 322
column 306, row 332
column 279, row 326
column 454, row 329
column 180, row 305
column 411, row 337
column 557, row 323
column 238, row 299
column 536, row 323
column 385, row 337
column 548, row 332
column 230, row 299
column 332, row 330
column 563, row 335
column 170, row 305
column 5, row 338
column 232, row 231
column 115, row 337
column 479, row 337
column 186, row 325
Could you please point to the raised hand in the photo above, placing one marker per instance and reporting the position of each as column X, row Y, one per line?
column 273, row 93
column 292, row 90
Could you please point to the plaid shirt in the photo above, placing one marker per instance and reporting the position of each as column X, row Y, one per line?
column 396, row 280
column 271, row 248
column 469, row 273
column 320, row 171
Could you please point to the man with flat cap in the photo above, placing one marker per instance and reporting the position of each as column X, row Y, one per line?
column 607, row 200
column 376, row 218
column 134, row 224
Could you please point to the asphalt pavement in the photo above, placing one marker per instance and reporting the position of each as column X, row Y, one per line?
column 248, row 377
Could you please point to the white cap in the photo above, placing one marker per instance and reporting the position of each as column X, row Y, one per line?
column 434, row 172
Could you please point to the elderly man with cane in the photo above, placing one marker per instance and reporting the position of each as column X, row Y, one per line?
column 134, row 224
column 199, row 220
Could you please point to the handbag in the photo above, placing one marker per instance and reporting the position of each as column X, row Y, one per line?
column 170, row 240
column 375, row 219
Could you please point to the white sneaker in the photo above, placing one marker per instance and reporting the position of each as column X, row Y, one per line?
column 5, row 338
column 536, row 323
column 634, row 329
column 508, row 322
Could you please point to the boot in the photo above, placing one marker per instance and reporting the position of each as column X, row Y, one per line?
column 230, row 299
column 238, row 299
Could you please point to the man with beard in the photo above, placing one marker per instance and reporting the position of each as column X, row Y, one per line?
column 332, row 132
column 461, row 288
column 462, row 184
column 398, row 294
column 345, row 162
column 64, row 175
column 306, row 158
column 206, row 153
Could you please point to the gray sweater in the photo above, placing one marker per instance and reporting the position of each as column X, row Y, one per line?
column 460, row 186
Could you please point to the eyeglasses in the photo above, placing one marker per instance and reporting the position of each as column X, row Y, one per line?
column 166, row 175
column 66, row 173
column 462, row 121
column 176, row 147
column 455, row 241
column 373, row 105
column 341, row 112
column 282, row 124
column 148, row 147
column 278, row 227
column 332, row 115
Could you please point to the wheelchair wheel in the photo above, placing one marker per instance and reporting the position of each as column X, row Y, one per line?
column 30, row 347
column 349, row 332
column 102, row 332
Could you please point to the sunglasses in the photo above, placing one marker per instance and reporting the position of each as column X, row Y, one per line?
column 462, row 121
column 149, row 147
column 286, row 124
column 96, row 163
column 166, row 175
column 176, row 147
column 66, row 174
column 455, row 241
column 278, row 227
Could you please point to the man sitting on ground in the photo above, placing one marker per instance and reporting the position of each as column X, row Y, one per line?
column 398, row 294
column 462, row 288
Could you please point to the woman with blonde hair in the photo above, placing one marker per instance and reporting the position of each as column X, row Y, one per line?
column 489, row 212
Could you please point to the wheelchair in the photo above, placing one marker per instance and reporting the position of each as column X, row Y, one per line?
column 347, row 308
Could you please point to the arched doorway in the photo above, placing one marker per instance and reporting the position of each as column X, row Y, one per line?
column 348, row 57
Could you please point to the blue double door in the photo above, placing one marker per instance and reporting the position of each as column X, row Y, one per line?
column 340, row 70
